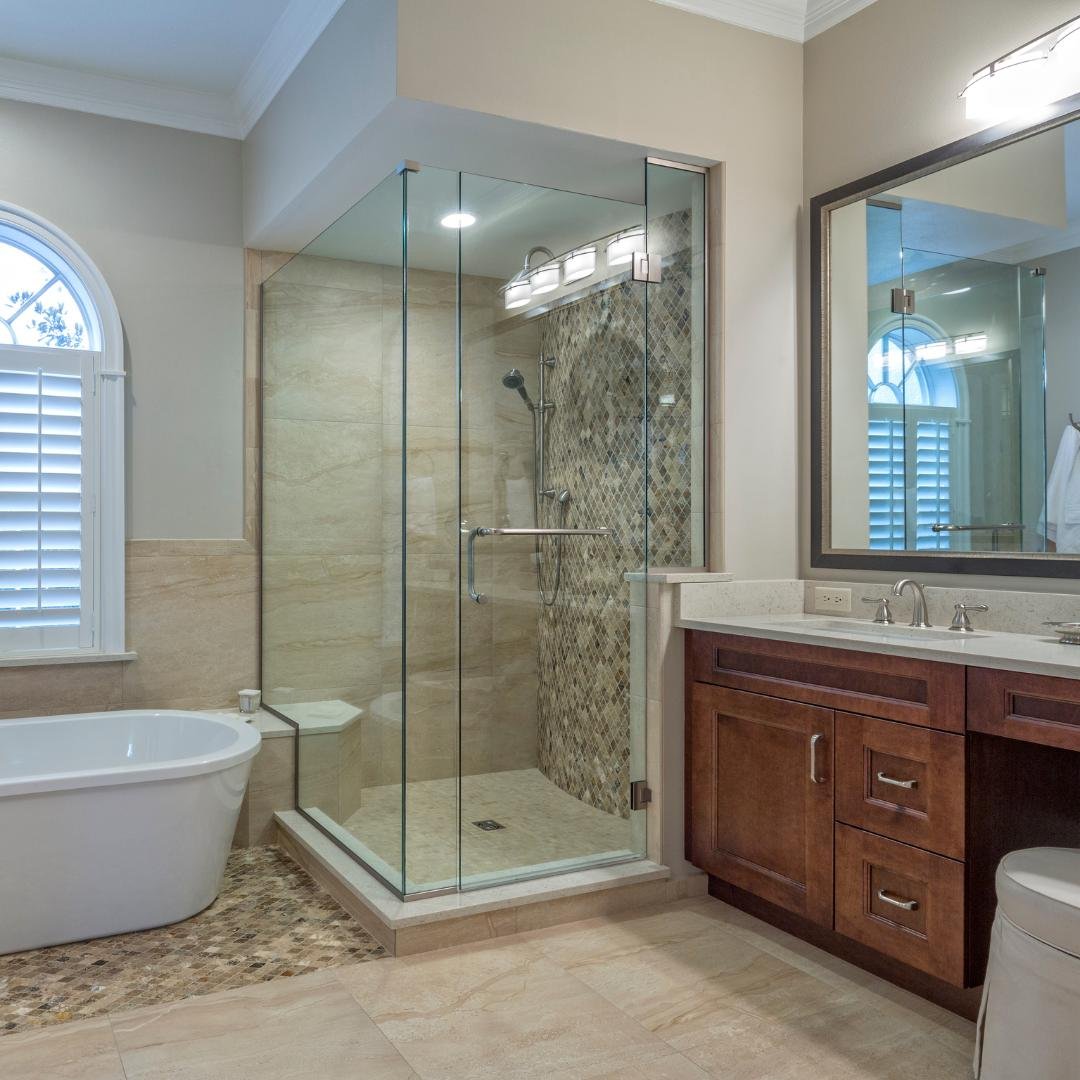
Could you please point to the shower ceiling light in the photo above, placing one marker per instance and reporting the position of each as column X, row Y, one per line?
column 621, row 248
column 579, row 264
column 516, row 293
column 544, row 279
column 460, row 219
column 1027, row 79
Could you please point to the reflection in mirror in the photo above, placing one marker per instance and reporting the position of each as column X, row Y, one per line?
column 952, row 365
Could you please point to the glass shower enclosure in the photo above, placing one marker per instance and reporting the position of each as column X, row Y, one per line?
column 478, row 431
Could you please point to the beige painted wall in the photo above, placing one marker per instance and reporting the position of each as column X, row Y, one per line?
column 881, row 87
column 712, row 90
column 158, row 210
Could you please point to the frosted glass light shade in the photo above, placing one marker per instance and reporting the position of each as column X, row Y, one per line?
column 620, row 250
column 970, row 345
column 579, row 264
column 1009, row 90
column 544, row 279
column 516, row 294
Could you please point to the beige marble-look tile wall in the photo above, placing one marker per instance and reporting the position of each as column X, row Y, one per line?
column 332, row 557
column 192, row 618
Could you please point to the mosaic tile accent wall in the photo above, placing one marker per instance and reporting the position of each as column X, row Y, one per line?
column 597, row 450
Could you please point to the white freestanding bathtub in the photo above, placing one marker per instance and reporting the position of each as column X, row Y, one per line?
column 115, row 821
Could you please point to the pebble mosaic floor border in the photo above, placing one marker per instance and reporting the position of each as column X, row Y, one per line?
column 271, row 920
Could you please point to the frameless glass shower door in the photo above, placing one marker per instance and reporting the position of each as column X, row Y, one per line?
column 467, row 469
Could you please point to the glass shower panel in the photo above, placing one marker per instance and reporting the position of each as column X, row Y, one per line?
column 552, row 419
column 331, row 597
column 430, row 439
column 963, row 396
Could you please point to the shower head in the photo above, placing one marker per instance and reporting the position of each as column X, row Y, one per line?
column 514, row 380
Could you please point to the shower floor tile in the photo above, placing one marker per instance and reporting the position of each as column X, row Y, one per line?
column 542, row 827
column 271, row 920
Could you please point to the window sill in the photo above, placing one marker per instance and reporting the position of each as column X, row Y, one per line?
column 70, row 656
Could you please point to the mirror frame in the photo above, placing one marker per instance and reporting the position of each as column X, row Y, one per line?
column 822, row 554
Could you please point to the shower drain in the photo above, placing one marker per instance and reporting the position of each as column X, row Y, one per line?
column 489, row 825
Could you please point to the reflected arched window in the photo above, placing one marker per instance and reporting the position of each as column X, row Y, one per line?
column 912, row 395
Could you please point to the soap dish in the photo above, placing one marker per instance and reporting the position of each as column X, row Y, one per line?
column 1068, row 632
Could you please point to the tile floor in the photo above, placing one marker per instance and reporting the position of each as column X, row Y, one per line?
column 692, row 990
column 543, row 825
column 270, row 920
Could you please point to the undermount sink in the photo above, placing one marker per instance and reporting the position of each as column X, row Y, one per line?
column 872, row 630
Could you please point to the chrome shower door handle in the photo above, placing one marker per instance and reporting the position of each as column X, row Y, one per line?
column 482, row 530
column 814, row 741
column 470, row 564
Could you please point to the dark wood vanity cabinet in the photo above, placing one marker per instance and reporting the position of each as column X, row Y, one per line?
column 866, row 798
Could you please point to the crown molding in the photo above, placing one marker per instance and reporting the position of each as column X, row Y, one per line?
column 289, row 42
column 781, row 18
column 230, row 115
column 125, row 99
column 796, row 20
column 823, row 14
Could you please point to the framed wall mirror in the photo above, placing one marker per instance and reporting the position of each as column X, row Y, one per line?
column 945, row 372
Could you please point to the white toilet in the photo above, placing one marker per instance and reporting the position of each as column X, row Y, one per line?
column 1029, row 1022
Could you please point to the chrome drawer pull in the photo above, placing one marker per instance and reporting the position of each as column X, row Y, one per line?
column 814, row 740
column 886, row 779
column 907, row 905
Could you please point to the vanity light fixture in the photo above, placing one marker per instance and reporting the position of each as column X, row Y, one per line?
column 516, row 293
column 621, row 247
column 520, row 289
column 579, row 264
column 544, row 279
column 460, row 219
column 970, row 344
column 932, row 350
column 1030, row 77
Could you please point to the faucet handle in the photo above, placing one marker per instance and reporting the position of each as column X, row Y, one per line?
column 884, row 613
column 961, row 621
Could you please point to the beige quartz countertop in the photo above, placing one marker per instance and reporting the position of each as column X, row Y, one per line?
column 1038, row 654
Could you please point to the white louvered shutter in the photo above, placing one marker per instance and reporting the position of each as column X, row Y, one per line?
column 46, row 533
column 886, row 465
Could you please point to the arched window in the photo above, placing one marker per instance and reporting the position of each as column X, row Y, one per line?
column 912, row 397
column 61, row 448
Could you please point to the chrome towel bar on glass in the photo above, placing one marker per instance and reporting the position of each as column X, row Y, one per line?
column 482, row 530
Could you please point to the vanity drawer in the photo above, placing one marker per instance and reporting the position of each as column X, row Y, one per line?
column 901, row 901
column 904, row 782
column 1032, row 708
column 893, row 687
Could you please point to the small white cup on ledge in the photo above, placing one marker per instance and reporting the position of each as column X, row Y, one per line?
column 250, row 701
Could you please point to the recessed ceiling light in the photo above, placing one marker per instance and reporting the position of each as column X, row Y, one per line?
column 460, row 219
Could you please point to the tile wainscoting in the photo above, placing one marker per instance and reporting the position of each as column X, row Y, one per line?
column 192, row 620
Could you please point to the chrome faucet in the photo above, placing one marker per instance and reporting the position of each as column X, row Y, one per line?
column 918, row 608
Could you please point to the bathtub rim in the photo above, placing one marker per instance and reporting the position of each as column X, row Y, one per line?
column 244, row 748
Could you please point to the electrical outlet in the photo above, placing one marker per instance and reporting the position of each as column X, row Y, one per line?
column 832, row 600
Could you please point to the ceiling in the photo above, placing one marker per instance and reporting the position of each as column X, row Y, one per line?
column 203, row 65
column 797, row 20
column 215, row 65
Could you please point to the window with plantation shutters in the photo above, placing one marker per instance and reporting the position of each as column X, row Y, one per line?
column 61, row 447
column 42, row 498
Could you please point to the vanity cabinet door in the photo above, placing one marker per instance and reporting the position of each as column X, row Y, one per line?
column 761, row 797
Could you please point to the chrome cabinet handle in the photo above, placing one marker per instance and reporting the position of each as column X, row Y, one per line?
column 814, row 740
column 907, row 905
column 886, row 779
